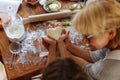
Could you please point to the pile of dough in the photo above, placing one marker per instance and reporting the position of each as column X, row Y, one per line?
column 54, row 33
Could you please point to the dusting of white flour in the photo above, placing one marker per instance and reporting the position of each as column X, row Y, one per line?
column 28, row 45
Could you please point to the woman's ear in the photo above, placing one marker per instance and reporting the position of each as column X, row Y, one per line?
column 111, row 33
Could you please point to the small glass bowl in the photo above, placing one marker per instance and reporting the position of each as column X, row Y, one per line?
column 46, row 5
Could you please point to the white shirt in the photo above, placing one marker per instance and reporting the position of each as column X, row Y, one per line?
column 105, row 69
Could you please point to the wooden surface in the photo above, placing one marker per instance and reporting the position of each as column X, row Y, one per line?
column 24, row 71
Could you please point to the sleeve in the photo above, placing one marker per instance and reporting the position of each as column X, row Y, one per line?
column 93, row 70
column 86, row 68
column 99, row 54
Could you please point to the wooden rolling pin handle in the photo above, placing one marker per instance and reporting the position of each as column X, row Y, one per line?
column 50, row 16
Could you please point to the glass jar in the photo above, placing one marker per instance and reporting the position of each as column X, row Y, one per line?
column 14, row 29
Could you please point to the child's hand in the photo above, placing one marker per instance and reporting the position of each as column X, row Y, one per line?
column 63, row 36
column 48, row 43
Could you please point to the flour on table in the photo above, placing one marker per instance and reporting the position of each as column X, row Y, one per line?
column 28, row 45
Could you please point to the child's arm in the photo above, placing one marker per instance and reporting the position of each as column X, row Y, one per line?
column 61, row 46
column 81, row 62
column 77, row 51
column 65, row 53
column 50, row 45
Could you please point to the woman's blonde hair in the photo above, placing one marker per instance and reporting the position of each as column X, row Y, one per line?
column 97, row 17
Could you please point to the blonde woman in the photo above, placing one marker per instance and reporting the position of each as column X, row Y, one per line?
column 99, row 22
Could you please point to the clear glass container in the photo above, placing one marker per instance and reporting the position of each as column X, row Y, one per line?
column 14, row 28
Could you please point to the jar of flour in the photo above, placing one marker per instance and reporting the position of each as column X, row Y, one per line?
column 15, row 30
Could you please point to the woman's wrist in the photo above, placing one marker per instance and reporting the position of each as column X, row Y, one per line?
column 68, row 46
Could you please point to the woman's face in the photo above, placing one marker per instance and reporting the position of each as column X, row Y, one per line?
column 98, row 42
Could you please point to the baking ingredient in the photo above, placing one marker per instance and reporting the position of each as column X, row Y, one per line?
column 15, row 32
column 72, row 7
column 54, row 7
column 28, row 44
column 54, row 33
column 65, row 23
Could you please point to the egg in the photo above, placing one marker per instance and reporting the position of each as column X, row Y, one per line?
column 54, row 7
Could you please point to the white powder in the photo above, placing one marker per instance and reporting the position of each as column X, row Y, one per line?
column 39, row 52
column 28, row 45
column 54, row 7
column 75, row 37
column 15, row 32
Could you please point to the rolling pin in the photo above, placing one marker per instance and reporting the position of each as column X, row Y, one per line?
column 49, row 16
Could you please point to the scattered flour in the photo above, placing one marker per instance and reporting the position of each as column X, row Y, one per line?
column 74, row 36
column 36, row 35
column 28, row 45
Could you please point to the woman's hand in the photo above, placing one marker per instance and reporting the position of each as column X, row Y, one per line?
column 67, row 42
column 63, row 36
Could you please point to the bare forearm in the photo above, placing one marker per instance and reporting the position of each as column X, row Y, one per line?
column 63, row 50
column 51, row 55
column 65, row 53
column 81, row 62
column 77, row 51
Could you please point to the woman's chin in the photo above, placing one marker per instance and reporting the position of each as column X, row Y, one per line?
column 93, row 48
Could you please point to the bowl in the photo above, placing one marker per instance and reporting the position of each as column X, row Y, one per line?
column 15, row 29
column 52, row 6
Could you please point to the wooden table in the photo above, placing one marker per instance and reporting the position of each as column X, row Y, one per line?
column 24, row 71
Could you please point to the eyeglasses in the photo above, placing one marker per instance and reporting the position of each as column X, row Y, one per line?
column 86, row 41
column 88, row 37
